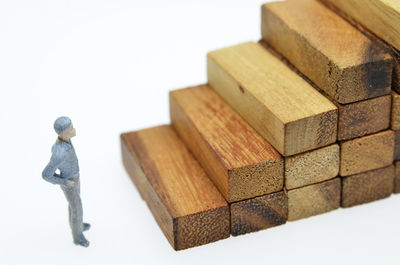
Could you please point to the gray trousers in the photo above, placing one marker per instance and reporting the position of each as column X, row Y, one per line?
column 74, row 208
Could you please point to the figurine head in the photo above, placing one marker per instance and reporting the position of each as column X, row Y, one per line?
column 64, row 128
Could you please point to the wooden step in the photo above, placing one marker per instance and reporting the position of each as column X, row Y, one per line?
column 185, row 203
column 367, row 31
column 338, row 58
column 311, row 167
column 366, row 153
column 237, row 159
column 354, row 119
column 275, row 101
column 368, row 186
column 259, row 213
column 382, row 17
column 313, row 199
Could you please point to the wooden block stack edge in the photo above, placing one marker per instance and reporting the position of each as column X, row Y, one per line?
column 288, row 128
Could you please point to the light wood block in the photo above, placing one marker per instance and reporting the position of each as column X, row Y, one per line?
column 259, row 213
column 314, row 199
column 397, row 178
column 239, row 161
column 395, row 123
column 368, row 186
column 338, row 58
column 355, row 119
column 185, row 203
column 281, row 106
column 396, row 155
column 382, row 17
column 311, row 167
column 366, row 153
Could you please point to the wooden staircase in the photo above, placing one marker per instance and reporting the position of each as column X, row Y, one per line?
column 301, row 123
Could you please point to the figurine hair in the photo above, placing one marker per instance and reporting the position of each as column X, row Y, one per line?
column 61, row 124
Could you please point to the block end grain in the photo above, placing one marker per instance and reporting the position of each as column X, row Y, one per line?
column 314, row 199
column 368, row 186
column 397, row 178
column 366, row 153
column 311, row 167
column 259, row 213
column 256, row 180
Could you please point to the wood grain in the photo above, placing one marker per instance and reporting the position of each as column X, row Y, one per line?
column 364, row 117
column 314, row 199
column 366, row 153
column 397, row 178
column 186, row 205
column 259, row 213
column 354, row 119
column 380, row 16
column 383, row 44
column 277, row 103
column 322, row 46
column 311, row 167
column 368, row 186
column 237, row 159
column 396, row 155
column 395, row 122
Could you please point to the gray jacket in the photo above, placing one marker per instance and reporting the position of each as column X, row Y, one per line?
column 63, row 158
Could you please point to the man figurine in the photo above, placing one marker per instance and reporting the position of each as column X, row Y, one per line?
column 64, row 159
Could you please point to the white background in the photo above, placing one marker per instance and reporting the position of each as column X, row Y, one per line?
column 109, row 66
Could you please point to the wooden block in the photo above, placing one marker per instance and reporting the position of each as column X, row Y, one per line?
column 238, row 160
column 313, row 199
column 366, row 153
column 355, row 119
column 368, row 186
column 366, row 31
column 259, row 213
column 382, row 17
column 397, row 178
column 396, row 155
column 363, row 117
column 311, row 167
column 338, row 58
column 185, row 203
column 277, row 103
column 395, row 124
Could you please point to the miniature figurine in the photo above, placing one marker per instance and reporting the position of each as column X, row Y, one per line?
column 64, row 159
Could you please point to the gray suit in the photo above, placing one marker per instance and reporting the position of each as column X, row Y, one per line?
column 64, row 158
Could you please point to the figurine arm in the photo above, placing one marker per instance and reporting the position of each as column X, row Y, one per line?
column 49, row 173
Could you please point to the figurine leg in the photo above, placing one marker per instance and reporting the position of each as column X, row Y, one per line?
column 75, row 214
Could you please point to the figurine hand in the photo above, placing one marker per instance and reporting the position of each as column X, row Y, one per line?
column 70, row 183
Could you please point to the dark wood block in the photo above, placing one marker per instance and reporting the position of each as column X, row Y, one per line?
column 185, row 203
column 238, row 160
column 368, row 186
column 259, row 213
column 366, row 153
column 338, row 58
column 313, row 199
column 364, row 117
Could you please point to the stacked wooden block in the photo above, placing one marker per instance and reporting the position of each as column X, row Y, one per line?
column 299, row 124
